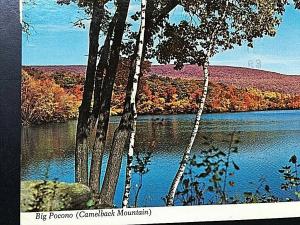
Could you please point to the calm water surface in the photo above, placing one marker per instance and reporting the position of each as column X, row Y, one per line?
column 267, row 140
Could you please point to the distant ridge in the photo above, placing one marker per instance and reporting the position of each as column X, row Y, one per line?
column 237, row 76
column 78, row 69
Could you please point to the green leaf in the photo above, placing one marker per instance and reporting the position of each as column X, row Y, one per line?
column 236, row 166
column 186, row 182
column 221, row 153
column 247, row 194
column 90, row 203
column 210, row 189
column 267, row 188
column 293, row 159
column 235, row 149
column 202, row 175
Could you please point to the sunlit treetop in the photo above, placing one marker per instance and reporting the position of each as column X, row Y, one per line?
column 212, row 26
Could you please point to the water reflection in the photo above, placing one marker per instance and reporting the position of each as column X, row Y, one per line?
column 267, row 140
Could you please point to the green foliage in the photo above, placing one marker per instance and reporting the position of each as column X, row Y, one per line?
column 140, row 168
column 27, row 26
column 297, row 4
column 44, row 196
column 90, row 204
column 208, row 175
column 205, row 180
column 214, row 26
column 262, row 193
column 141, row 163
column 290, row 175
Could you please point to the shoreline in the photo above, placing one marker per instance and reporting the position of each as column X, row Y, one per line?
column 174, row 114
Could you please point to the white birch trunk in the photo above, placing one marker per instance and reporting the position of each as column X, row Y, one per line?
column 187, row 152
column 133, row 105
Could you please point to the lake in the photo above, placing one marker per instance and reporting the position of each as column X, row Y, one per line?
column 267, row 141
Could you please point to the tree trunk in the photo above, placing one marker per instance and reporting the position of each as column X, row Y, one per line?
column 105, row 100
column 119, row 143
column 122, row 133
column 187, row 152
column 81, row 150
column 97, row 152
column 101, row 68
column 137, row 74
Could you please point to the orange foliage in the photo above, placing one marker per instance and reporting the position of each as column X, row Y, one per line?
column 56, row 96
column 45, row 101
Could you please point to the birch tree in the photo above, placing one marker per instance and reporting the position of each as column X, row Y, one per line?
column 137, row 74
column 156, row 13
column 213, row 27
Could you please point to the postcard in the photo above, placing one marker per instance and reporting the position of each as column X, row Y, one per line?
column 152, row 111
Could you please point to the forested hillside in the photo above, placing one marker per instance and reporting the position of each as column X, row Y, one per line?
column 237, row 76
column 54, row 93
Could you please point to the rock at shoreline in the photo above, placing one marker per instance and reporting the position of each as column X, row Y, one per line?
column 53, row 196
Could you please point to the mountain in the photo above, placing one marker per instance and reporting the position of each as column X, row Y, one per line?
column 237, row 76
column 75, row 69
column 228, row 75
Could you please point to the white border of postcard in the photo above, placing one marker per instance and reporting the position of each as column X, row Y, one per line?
column 178, row 214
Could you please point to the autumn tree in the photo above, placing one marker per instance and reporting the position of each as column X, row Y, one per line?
column 43, row 100
column 213, row 27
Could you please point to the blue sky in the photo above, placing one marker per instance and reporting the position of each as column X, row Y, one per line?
column 54, row 41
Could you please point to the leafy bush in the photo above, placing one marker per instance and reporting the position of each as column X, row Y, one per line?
column 290, row 174
column 208, row 175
